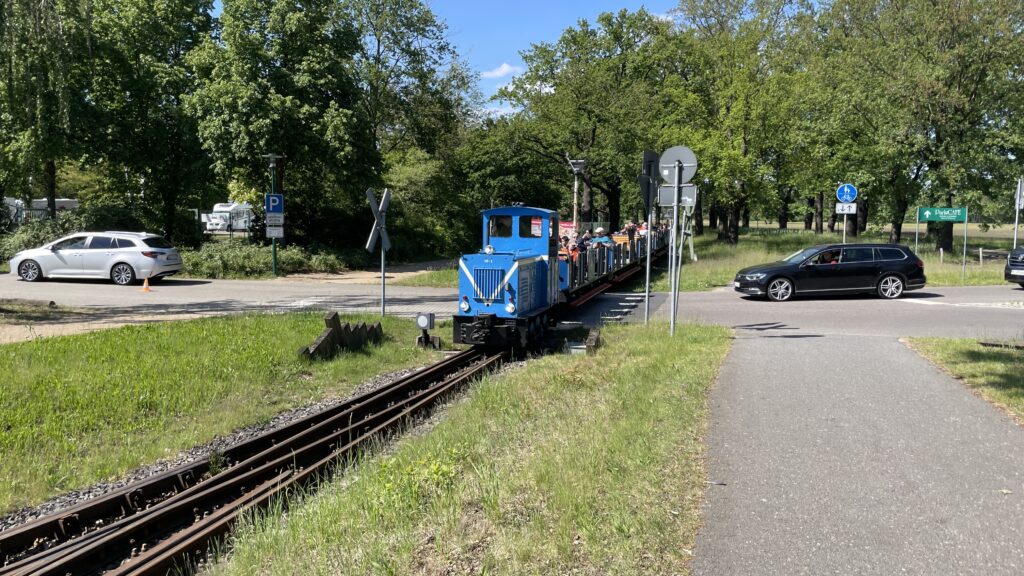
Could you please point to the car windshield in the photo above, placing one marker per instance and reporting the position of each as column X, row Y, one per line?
column 800, row 255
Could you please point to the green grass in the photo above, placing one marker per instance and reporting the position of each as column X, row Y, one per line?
column 5, row 267
column 571, row 465
column 78, row 409
column 997, row 374
column 448, row 278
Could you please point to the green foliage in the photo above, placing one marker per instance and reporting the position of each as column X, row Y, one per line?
column 238, row 259
column 35, row 233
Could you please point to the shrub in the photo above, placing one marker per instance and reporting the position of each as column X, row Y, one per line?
column 240, row 259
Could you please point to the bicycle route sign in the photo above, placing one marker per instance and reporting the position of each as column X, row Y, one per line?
column 846, row 193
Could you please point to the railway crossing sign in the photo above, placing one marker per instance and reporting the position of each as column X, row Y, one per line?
column 846, row 193
column 379, row 215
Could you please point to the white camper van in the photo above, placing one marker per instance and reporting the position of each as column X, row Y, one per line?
column 16, row 209
column 229, row 216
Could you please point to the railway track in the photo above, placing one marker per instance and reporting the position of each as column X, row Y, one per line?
column 170, row 520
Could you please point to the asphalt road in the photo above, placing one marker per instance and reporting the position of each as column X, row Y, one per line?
column 833, row 448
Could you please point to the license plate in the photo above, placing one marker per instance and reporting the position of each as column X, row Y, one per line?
column 1017, row 272
column 172, row 258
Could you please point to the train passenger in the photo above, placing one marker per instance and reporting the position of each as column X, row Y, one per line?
column 601, row 237
column 584, row 241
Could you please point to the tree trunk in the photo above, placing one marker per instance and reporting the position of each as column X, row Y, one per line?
column 944, row 230
column 850, row 225
column 613, row 194
column 832, row 222
column 586, row 203
column 50, row 184
column 897, row 220
column 698, row 216
column 819, row 212
column 862, row 214
column 723, row 223
column 809, row 215
column 783, row 216
column 745, row 215
column 713, row 216
column 733, row 229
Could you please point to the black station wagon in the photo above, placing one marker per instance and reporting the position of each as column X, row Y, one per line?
column 885, row 269
column 1014, row 271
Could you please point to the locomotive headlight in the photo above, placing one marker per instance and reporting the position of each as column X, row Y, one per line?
column 510, row 308
column 464, row 305
column 488, row 249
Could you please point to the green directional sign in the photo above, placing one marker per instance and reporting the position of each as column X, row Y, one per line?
column 941, row 214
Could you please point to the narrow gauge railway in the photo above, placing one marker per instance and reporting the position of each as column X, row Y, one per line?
column 518, row 286
column 167, row 521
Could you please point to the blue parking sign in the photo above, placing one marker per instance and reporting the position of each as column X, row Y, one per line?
column 274, row 203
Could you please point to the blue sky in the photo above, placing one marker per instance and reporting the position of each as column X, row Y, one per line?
column 489, row 35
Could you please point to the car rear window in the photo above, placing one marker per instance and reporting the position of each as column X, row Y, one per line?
column 125, row 243
column 858, row 255
column 157, row 242
column 891, row 254
column 100, row 242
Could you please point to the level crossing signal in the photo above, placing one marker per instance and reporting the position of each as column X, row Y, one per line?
column 379, row 215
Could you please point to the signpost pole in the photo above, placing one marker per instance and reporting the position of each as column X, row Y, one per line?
column 273, row 190
column 674, row 268
column 382, row 279
column 844, row 228
column 379, row 232
column 917, row 227
column 963, row 267
column 647, row 284
column 1016, row 208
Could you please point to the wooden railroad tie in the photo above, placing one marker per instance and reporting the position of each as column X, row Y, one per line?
column 337, row 337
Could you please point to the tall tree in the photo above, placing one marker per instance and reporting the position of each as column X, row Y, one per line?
column 279, row 81
column 42, row 50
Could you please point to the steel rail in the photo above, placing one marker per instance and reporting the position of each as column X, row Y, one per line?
column 56, row 527
column 375, row 412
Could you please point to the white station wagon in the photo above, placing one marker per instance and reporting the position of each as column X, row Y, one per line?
column 124, row 257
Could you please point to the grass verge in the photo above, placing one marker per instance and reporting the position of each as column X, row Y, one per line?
column 30, row 311
column 572, row 464
column 997, row 374
column 75, row 410
column 432, row 279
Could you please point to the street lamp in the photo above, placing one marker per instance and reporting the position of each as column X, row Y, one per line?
column 578, row 168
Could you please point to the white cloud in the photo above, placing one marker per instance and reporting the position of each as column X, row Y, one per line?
column 505, row 69
column 498, row 111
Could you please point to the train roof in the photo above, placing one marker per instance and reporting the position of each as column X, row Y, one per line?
column 520, row 211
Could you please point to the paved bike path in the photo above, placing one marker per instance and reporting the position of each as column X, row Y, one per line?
column 834, row 454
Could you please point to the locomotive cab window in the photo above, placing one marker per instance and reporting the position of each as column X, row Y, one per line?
column 530, row 227
column 500, row 227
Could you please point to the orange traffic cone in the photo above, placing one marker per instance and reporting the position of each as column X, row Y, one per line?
column 145, row 285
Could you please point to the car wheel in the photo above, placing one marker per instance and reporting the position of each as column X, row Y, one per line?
column 122, row 274
column 780, row 290
column 29, row 271
column 890, row 287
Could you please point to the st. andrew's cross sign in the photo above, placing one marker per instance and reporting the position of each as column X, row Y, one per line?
column 379, row 215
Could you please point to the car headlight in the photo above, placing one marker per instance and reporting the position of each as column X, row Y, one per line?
column 753, row 276
column 510, row 308
column 464, row 306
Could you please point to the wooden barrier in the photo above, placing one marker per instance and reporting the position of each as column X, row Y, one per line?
column 337, row 336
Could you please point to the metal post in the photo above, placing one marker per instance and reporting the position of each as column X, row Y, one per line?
column 845, row 216
column 576, row 204
column 1016, row 209
column 273, row 190
column 647, row 284
column 382, row 280
column 963, row 267
column 675, row 250
column 917, row 227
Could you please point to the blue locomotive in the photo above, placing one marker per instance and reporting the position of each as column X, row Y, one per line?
column 509, row 290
